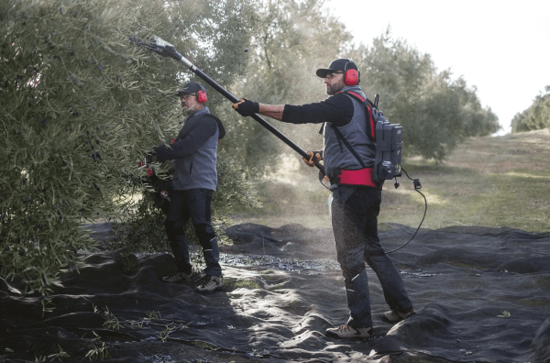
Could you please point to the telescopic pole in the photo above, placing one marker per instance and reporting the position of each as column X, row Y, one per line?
column 168, row 50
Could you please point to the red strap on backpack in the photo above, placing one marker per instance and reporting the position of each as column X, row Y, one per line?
column 368, row 108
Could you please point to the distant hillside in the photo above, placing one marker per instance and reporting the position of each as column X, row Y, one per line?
column 487, row 181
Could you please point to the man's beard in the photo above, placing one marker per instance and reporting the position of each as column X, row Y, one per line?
column 188, row 110
column 335, row 88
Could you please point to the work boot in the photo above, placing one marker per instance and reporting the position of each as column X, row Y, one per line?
column 182, row 276
column 394, row 316
column 210, row 284
column 346, row 331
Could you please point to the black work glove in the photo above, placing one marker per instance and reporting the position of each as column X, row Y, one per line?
column 246, row 107
column 151, row 158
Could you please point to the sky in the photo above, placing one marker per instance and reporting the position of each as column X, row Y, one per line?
column 502, row 48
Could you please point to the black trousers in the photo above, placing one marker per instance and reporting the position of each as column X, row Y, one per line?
column 194, row 205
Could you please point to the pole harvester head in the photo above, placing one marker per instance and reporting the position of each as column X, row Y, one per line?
column 158, row 46
column 166, row 49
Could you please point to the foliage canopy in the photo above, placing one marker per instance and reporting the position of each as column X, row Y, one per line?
column 289, row 40
column 436, row 112
column 536, row 117
column 81, row 103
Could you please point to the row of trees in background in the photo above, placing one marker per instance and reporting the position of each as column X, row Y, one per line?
column 536, row 117
column 436, row 111
column 82, row 104
column 289, row 40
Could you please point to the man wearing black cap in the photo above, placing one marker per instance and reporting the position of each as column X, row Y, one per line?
column 195, row 179
column 348, row 155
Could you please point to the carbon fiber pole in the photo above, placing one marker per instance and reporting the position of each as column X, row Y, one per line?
column 166, row 49
column 255, row 116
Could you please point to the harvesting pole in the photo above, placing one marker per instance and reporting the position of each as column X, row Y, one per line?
column 166, row 49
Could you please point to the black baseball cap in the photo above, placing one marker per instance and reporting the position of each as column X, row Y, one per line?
column 191, row 87
column 336, row 65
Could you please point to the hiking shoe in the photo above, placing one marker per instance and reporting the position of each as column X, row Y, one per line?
column 182, row 276
column 394, row 316
column 346, row 331
column 210, row 284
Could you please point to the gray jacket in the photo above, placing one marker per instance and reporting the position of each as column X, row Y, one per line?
column 336, row 155
column 195, row 152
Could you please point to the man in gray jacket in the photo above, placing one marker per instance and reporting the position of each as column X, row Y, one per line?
column 195, row 179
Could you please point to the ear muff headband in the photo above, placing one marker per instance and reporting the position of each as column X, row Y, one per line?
column 351, row 76
column 202, row 97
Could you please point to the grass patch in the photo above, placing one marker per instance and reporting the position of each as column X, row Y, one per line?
column 232, row 283
column 487, row 181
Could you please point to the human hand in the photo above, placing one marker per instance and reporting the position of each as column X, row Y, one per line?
column 149, row 171
column 246, row 107
column 311, row 161
column 149, row 158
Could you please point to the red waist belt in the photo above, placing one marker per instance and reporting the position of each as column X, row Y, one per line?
column 357, row 177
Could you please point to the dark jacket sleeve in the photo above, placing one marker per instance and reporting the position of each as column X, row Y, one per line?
column 190, row 143
column 337, row 109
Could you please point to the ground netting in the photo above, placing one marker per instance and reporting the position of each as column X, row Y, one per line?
column 481, row 295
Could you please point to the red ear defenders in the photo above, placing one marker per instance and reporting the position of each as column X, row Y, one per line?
column 201, row 96
column 351, row 76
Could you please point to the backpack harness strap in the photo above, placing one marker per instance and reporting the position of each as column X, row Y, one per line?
column 362, row 176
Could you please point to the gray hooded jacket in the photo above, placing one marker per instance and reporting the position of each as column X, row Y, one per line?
column 195, row 152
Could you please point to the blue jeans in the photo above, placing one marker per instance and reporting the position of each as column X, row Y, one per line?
column 192, row 205
column 355, row 223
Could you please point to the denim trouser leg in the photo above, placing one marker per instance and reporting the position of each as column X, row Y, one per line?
column 194, row 205
column 355, row 224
